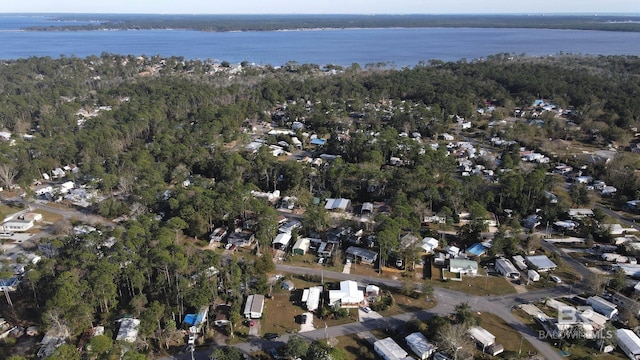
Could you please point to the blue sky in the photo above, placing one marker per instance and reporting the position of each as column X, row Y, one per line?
column 322, row 6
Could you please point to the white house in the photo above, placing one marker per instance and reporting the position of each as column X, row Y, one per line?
column 506, row 268
column 337, row 204
column 389, row 349
column 17, row 225
column 282, row 240
column 518, row 261
column 311, row 297
column 349, row 296
column 541, row 262
column 429, row 244
column 463, row 266
column 419, row 344
column 533, row 275
column 629, row 343
column 128, row 330
column 483, row 337
column 301, row 246
column 254, row 307
column 66, row 186
column 603, row 306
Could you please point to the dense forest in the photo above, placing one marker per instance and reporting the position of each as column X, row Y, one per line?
column 165, row 120
column 288, row 22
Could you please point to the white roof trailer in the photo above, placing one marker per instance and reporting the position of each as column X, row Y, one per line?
column 506, row 268
column 629, row 343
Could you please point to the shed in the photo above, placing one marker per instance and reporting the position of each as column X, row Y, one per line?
column 301, row 246
column 533, row 275
column 389, row 349
column 506, row 268
column 542, row 262
column 254, row 306
column 420, row 345
column 629, row 343
column 288, row 285
column 453, row 251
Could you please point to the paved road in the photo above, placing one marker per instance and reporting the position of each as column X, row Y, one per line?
column 617, row 216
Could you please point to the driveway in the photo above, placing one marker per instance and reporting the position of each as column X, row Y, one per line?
column 308, row 325
column 371, row 315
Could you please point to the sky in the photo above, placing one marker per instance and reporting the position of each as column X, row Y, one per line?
column 322, row 6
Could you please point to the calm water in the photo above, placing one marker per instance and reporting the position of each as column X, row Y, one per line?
column 401, row 47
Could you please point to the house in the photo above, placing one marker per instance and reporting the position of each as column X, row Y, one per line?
column 281, row 241
column 408, row 240
column 337, row 204
column 420, row 346
column 65, row 187
column 57, row 173
column 506, row 268
column 389, row 350
column 481, row 336
column 629, row 343
column 439, row 258
column 222, row 315
column 289, row 226
column 197, row 320
column 541, row 263
column 362, row 255
column 603, row 306
column 301, row 246
column 326, row 249
column 254, row 306
column 429, row 244
column 447, row 137
column 17, row 225
column 128, row 330
column 580, row 213
column 241, row 238
column 218, row 234
column 452, row 251
column 367, row 208
column 348, row 296
column 311, row 297
column 463, row 266
column 43, row 190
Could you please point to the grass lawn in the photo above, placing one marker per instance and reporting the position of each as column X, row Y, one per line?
column 505, row 335
column 475, row 285
column 49, row 216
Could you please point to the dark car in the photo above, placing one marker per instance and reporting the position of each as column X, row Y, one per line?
column 270, row 336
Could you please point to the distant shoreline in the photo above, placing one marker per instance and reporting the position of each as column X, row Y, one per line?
column 243, row 23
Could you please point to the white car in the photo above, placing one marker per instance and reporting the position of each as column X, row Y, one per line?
column 348, row 261
column 556, row 279
column 192, row 339
column 366, row 309
column 321, row 261
column 228, row 246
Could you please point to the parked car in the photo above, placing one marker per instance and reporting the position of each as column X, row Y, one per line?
column 228, row 246
column 348, row 261
column 271, row 336
column 321, row 261
column 303, row 319
column 252, row 323
column 556, row 279
column 192, row 339
column 366, row 309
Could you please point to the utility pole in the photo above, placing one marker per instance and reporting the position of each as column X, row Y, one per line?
column 520, row 350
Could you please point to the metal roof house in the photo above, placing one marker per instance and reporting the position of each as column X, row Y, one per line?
column 254, row 306
column 463, row 266
column 420, row 345
column 506, row 268
column 483, row 337
column 542, row 262
column 348, row 296
column 389, row 350
column 337, row 204
column 629, row 343
column 128, row 330
column 311, row 297
column 364, row 255
column 282, row 240
column 519, row 262
column 603, row 306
